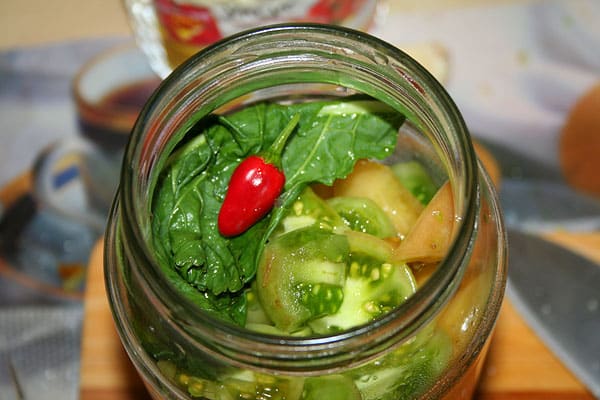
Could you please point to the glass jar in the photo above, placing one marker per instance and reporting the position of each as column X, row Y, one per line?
column 182, row 352
column 170, row 31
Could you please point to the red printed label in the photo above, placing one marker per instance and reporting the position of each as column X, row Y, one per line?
column 201, row 22
column 187, row 23
column 334, row 11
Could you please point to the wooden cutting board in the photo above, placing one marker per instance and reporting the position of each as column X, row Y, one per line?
column 519, row 366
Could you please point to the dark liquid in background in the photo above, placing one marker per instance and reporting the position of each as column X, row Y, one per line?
column 131, row 96
column 106, row 124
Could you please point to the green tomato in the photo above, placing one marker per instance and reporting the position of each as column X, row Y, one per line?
column 301, row 275
column 363, row 215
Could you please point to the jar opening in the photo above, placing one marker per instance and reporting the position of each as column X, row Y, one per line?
column 288, row 61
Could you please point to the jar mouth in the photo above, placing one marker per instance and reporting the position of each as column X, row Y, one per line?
column 288, row 44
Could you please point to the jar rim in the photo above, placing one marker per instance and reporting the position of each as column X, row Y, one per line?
column 400, row 322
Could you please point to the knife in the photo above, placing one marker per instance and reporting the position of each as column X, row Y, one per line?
column 544, row 206
column 535, row 197
column 558, row 293
column 515, row 164
column 555, row 290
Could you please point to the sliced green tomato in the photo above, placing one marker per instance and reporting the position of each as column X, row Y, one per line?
column 320, row 298
column 408, row 371
column 363, row 244
column 198, row 387
column 250, row 385
column 255, row 314
column 330, row 387
column 310, row 210
column 374, row 286
column 299, row 276
column 378, row 183
column 363, row 215
column 414, row 176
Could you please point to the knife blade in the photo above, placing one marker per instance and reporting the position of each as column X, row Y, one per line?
column 535, row 196
column 515, row 164
column 544, row 206
column 558, row 293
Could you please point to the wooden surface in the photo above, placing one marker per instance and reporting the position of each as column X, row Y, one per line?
column 26, row 23
column 518, row 366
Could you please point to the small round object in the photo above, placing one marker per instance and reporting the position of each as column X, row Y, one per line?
column 579, row 144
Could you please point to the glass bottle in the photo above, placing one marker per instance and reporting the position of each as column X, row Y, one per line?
column 170, row 31
column 182, row 352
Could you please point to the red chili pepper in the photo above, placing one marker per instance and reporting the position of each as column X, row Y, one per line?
column 254, row 186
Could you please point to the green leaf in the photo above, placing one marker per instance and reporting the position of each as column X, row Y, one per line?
column 328, row 144
column 254, row 128
column 329, row 139
column 185, row 236
column 188, row 162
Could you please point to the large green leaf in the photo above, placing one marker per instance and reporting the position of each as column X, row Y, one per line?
column 333, row 137
column 329, row 139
